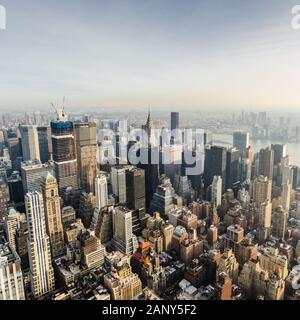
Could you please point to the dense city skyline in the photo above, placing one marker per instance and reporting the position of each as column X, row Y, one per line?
column 81, row 220
column 129, row 54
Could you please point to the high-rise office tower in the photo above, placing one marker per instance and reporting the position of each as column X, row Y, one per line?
column 41, row 270
column 246, row 164
column 296, row 175
column 53, row 214
column 265, row 214
column 163, row 199
column 151, row 168
column 14, row 146
column 16, row 193
column 261, row 190
column 118, row 181
column 86, row 149
column 45, row 144
column 32, row 173
column 12, row 223
column 279, row 152
column 4, row 198
column 215, row 165
column 266, row 162
column 233, row 166
column 279, row 222
column 216, row 191
column 135, row 188
column 87, row 205
column 183, row 187
column 104, row 224
column 136, row 200
column 174, row 120
column 11, row 276
column 101, row 191
column 124, row 240
column 64, row 152
column 174, row 126
column 265, row 218
column 171, row 160
column 241, row 141
column 286, row 196
column 30, row 142
column 121, row 141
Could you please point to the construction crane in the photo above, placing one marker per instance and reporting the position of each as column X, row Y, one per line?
column 60, row 114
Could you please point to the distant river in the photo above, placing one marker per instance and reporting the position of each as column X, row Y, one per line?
column 293, row 149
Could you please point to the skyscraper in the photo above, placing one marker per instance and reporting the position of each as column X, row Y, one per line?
column 124, row 240
column 241, row 141
column 53, row 214
column 30, row 142
column 14, row 146
column 41, row 270
column 4, row 198
column 279, row 222
column 101, row 191
column 151, row 168
column 11, row 276
column 262, row 190
column 286, row 196
column 215, row 165
column 216, row 191
column 171, row 160
column 279, row 152
column 233, row 166
column 32, row 173
column 266, row 162
column 16, row 193
column 174, row 120
column 135, row 188
column 118, row 181
column 163, row 198
column 45, row 144
column 12, row 223
column 246, row 164
column 295, row 173
column 86, row 149
column 174, row 126
column 265, row 217
column 64, row 152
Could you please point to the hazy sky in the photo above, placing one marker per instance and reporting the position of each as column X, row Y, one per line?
column 163, row 53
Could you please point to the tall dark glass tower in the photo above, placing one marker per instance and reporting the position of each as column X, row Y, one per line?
column 215, row 165
column 44, row 136
column 266, row 162
column 135, row 184
column 174, row 120
column 174, row 125
column 64, row 153
column 233, row 166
